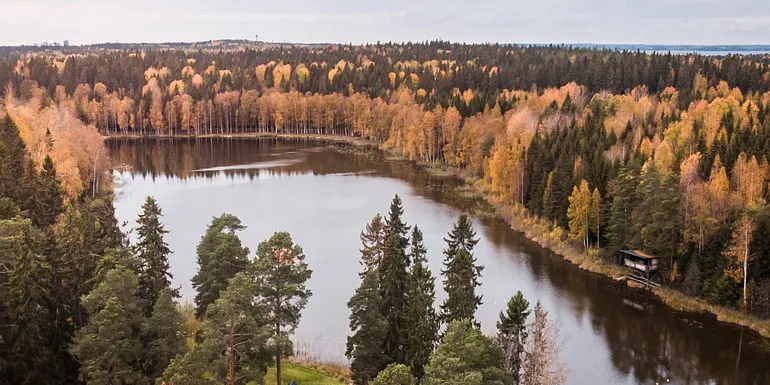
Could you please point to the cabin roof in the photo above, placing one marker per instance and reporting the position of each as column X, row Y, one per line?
column 638, row 254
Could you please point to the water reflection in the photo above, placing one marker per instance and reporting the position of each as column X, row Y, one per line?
column 613, row 335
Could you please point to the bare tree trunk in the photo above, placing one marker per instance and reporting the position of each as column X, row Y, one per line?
column 745, row 269
column 231, row 377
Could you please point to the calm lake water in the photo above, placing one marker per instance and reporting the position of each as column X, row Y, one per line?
column 325, row 194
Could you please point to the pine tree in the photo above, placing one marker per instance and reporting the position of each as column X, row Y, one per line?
column 153, row 254
column 461, row 274
column 369, row 327
column 221, row 255
column 109, row 347
column 392, row 273
column 512, row 335
column 233, row 341
column 422, row 322
column 163, row 335
column 372, row 242
column 466, row 356
column 281, row 275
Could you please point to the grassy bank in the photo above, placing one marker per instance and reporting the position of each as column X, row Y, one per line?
column 544, row 232
column 302, row 375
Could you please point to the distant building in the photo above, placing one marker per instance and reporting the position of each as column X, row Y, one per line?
column 66, row 43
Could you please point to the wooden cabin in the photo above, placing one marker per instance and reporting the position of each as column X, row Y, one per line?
column 640, row 261
column 644, row 267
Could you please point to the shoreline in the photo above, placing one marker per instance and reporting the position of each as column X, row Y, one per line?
column 539, row 230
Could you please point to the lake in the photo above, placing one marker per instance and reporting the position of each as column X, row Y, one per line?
column 325, row 194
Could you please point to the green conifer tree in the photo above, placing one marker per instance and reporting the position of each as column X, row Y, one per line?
column 50, row 196
column 465, row 357
column 512, row 335
column 221, row 255
column 163, row 335
column 393, row 273
column 280, row 276
column 369, row 327
column 25, row 295
column 422, row 322
column 395, row 374
column 12, row 160
column 623, row 189
column 153, row 253
column 109, row 346
column 233, row 341
column 461, row 274
column 102, row 230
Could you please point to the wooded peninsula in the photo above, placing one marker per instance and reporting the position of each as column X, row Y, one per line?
column 588, row 151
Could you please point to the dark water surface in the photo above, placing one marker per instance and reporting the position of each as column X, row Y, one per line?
column 325, row 194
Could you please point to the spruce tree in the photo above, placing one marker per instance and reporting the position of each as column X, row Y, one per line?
column 280, row 278
column 163, row 335
column 30, row 200
column 8, row 208
column 73, row 268
column 25, row 295
column 153, row 254
column 512, row 335
column 369, row 327
column 461, row 274
column 102, row 230
column 74, row 265
column 12, row 160
column 392, row 273
column 50, row 195
column 109, row 347
column 623, row 189
column 422, row 323
column 221, row 255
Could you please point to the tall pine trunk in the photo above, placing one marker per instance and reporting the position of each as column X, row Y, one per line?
column 231, row 379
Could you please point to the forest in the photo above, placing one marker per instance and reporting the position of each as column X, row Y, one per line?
column 81, row 303
column 607, row 149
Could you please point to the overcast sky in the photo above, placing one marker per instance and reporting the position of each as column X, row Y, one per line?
column 360, row 21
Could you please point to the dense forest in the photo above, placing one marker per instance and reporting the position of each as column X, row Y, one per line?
column 82, row 304
column 610, row 149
